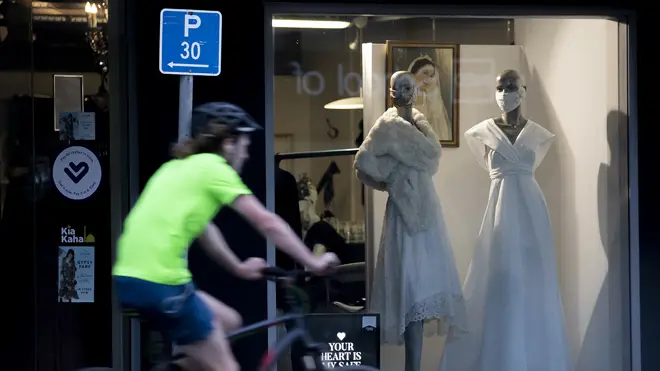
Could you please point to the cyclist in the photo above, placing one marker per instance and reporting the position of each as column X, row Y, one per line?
column 177, row 206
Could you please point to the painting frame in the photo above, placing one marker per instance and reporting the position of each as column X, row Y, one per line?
column 402, row 56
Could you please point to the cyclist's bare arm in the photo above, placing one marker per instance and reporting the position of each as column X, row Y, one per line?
column 274, row 228
column 215, row 245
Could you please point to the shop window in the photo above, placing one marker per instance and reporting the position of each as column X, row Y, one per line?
column 53, row 64
column 527, row 186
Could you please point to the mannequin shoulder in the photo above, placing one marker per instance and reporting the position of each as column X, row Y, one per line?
column 539, row 130
column 480, row 128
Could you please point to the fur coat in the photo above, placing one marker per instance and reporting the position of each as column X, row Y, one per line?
column 399, row 158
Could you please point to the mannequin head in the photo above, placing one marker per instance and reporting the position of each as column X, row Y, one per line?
column 403, row 89
column 509, row 90
column 425, row 73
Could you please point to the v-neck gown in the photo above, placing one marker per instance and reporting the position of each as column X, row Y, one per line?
column 515, row 314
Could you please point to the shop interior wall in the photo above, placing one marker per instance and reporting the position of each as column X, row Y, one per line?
column 300, row 119
column 580, row 175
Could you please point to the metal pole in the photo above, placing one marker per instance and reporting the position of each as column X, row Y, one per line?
column 185, row 106
column 185, row 115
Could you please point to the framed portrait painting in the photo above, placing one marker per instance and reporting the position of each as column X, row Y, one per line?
column 435, row 67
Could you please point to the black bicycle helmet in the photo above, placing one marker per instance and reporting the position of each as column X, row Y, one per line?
column 222, row 113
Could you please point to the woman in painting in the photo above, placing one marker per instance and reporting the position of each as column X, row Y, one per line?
column 68, row 277
column 429, row 99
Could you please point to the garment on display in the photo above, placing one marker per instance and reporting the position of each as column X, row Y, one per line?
column 327, row 185
column 416, row 279
column 515, row 312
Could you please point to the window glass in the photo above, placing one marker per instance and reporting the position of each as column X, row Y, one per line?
column 507, row 169
column 54, row 103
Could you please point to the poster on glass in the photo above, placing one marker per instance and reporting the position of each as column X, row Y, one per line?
column 75, row 274
column 435, row 67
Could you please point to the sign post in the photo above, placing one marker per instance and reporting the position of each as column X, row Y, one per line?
column 190, row 45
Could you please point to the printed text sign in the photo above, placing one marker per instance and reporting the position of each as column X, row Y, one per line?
column 348, row 338
column 190, row 42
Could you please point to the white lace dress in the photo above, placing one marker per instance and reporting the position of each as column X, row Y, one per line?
column 416, row 277
column 515, row 314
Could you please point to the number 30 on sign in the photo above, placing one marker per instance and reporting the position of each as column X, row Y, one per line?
column 190, row 42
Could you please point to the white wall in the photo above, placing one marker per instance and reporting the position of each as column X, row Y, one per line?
column 572, row 75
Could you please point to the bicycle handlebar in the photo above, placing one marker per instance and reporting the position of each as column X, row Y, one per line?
column 276, row 273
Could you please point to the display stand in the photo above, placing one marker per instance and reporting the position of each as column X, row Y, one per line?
column 374, row 89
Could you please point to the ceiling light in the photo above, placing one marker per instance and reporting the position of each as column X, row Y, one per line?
column 346, row 104
column 309, row 23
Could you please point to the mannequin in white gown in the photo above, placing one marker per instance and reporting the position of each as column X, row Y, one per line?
column 416, row 281
column 515, row 314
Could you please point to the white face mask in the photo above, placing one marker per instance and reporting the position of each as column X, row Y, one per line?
column 508, row 101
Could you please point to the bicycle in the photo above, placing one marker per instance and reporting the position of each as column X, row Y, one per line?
column 311, row 351
column 298, row 333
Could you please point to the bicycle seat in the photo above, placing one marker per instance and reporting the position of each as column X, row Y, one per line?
column 132, row 313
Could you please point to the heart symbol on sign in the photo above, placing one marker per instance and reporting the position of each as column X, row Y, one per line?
column 341, row 336
column 79, row 171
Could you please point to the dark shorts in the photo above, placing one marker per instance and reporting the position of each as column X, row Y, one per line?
column 176, row 310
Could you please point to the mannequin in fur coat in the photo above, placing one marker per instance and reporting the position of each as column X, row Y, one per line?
column 416, row 280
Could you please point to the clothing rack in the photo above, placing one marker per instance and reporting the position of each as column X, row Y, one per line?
column 315, row 154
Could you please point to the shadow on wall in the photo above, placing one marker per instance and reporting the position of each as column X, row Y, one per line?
column 555, row 177
column 611, row 205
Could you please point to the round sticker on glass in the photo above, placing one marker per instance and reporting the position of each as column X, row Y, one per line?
column 77, row 173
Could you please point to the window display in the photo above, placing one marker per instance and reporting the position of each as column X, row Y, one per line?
column 416, row 280
column 513, row 274
column 519, row 254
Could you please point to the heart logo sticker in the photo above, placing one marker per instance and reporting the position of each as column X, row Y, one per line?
column 76, row 172
column 341, row 336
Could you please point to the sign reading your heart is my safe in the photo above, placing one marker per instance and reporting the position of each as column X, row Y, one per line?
column 342, row 353
column 346, row 339
column 77, row 173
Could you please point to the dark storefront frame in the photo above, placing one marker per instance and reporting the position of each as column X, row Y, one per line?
column 123, row 149
column 124, row 122
column 627, row 105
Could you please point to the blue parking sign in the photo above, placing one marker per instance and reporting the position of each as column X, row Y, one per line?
column 190, row 42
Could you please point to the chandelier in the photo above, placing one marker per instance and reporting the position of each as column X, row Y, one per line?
column 97, row 37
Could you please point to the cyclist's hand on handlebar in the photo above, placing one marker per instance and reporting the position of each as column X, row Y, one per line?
column 325, row 264
column 251, row 269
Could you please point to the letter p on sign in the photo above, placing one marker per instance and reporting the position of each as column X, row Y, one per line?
column 189, row 24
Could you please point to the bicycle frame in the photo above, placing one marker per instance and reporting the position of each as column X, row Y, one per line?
column 297, row 334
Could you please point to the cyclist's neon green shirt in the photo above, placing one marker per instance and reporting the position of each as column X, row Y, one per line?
column 177, row 204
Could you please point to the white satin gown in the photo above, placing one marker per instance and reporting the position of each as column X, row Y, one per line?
column 515, row 314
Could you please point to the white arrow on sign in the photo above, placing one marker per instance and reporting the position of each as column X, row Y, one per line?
column 172, row 65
